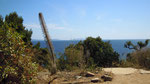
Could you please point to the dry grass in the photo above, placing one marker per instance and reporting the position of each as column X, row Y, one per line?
column 140, row 59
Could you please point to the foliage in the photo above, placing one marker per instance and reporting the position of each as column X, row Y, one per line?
column 90, row 53
column 139, row 45
column 16, row 63
column 74, row 55
column 140, row 58
column 72, row 58
column 16, row 58
column 101, row 52
column 16, row 22
column 41, row 56
column 1, row 20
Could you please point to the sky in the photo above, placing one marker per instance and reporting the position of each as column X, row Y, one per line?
column 78, row 19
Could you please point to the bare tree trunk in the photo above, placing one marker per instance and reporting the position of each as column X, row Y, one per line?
column 49, row 43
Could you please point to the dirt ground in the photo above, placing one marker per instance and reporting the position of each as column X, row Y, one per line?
column 128, row 76
column 120, row 76
column 130, row 79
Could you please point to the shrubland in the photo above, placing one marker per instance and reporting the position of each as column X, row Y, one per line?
column 90, row 53
column 139, row 58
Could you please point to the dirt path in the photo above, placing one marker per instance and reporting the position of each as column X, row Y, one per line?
column 128, row 76
column 130, row 79
column 120, row 76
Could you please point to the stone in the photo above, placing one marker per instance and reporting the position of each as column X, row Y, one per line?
column 96, row 72
column 95, row 80
column 106, row 78
column 78, row 77
column 89, row 74
column 65, row 80
column 144, row 71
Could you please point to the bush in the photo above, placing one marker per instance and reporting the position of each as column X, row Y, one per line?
column 101, row 52
column 16, row 60
column 140, row 58
column 72, row 58
column 16, row 65
column 90, row 53
column 42, row 57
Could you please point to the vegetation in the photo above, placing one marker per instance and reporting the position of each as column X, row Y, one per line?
column 139, row 45
column 138, row 58
column 92, row 52
column 20, row 61
column 16, row 58
column 16, row 22
column 101, row 52
column 72, row 58
column 41, row 56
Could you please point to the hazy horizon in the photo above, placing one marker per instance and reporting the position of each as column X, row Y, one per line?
column 82, row 39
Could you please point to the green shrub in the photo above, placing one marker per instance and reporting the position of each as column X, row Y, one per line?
column 90, row 53
column 16, row 60
column 16, row 64
column 72, row 58
column 101, row 52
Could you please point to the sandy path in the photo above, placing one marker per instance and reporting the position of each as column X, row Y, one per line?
column 128, row 76
column 130, row 79
column 126, row 71
column 121, row 76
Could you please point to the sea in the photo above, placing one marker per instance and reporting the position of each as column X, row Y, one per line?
column 117, row 45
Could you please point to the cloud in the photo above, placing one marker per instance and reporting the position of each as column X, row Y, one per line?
column 49, row 26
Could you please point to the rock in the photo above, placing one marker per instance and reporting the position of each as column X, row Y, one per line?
column 144, row 71
column 95, row 80
column 89, row 74
column 96, row 72
column 106, row 78
column 78, row 77
column 65, row 80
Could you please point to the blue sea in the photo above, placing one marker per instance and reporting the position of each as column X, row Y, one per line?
column 60, row 45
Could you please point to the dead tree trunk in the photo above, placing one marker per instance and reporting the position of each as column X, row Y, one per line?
column 49, row 43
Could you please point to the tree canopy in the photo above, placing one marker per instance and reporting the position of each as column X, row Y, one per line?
column 139, row 45
column 101, row 52
column 88, row 53
column 16, row 65
column 16, row 22
column 20, row 60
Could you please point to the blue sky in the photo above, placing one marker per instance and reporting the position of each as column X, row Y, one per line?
column 78, row 19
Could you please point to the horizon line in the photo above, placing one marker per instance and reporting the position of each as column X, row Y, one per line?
column 84, row 39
